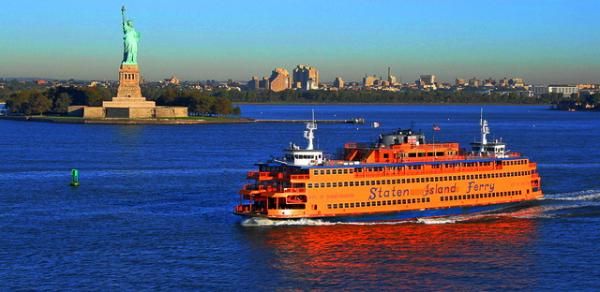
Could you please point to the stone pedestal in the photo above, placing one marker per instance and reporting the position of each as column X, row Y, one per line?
column 129, row 81
column 129, row 103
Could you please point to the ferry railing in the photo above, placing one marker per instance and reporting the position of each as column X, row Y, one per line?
column 299, row 176
column 294, row 190
column 423, row 170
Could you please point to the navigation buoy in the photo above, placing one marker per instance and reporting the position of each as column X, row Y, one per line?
column 74, row 178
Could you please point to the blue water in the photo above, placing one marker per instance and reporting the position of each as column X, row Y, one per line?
column 154, row 209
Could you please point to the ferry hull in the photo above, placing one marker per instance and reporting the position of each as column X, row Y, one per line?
column 411, row 214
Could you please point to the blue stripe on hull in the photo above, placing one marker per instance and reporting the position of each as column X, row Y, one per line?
column 405, row 215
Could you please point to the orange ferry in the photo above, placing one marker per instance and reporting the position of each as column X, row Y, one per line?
column 398, row 177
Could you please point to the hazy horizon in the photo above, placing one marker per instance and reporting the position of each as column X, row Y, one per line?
column 540, row 41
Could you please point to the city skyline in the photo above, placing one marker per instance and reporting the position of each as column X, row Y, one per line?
column 553, row 43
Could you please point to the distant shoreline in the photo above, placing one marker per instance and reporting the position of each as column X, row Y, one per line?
column 384, row 103
column 174, row 121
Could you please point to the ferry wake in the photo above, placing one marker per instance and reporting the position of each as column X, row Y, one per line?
column 400, row 176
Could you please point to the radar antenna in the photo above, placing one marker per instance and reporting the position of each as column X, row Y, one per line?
column 309, row 135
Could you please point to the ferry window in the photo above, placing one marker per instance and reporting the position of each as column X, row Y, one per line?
column 316, row 185
column 346, row 205
column 328, row 185
column 379, row 182
column 394, row 202
column 385, row 155
column 345, row 171
column 322, row 171
column 362, row 183
column 389, row 202
column 322, row 185
column 372, row 182
column 436, row 178
column 328, row 171
column 345, row 183
column 316, row 172
column 350, row 171
column 418, row 200
column 368, row 204
column 351, row 205
column 328, row 206
column 414, row 200
column 389, row 182
column 378, row 203
column 404, row 201
column 368, row 183
column 384, row 203
column 334, row 185
column 333, row 171
column 442, row 199
column 362, row 204
column 403, row 181
column 309, row 185
column 351, row 183
column 335, row 206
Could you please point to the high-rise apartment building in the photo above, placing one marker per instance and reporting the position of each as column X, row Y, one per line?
column 338, row 82
column 305, row 77
column 279, row 80
column 474, row 82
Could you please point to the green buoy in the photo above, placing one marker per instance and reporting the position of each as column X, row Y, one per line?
column 74, row 178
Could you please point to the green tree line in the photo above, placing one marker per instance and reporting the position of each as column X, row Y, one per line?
column 32, row 101
column 372, row 96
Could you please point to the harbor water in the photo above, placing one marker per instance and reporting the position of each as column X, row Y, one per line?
column 154, row 208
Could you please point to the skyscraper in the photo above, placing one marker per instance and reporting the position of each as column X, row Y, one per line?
column 305, row 77
column 391, row 78
column 279, row 80
column 254, row 83
column 338, row 82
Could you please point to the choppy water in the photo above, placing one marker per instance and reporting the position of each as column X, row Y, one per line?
column 154, row 209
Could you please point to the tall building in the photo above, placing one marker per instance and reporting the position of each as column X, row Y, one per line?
column 474, row 82
column 305, row 77
column 279, row 80
column 391, row 79
column 503, row 82
column 254, row 83
column 460, row 82
column 516, row 82
column 427, row 82
column 338, row 82
column 264, row 83
column 370, row 80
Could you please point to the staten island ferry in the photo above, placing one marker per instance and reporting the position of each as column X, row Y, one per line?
column 400, row 176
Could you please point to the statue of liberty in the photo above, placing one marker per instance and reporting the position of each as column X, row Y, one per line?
column 130, row 41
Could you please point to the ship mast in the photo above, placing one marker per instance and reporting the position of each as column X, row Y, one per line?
column 309, row 135
column 485, row 130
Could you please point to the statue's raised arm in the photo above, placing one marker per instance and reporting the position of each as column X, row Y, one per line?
column 123, row 13
column 130, row 41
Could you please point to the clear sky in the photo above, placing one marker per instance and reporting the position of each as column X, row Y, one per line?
column 544, row 41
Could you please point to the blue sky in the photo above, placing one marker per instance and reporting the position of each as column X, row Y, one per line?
column 544, row 41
